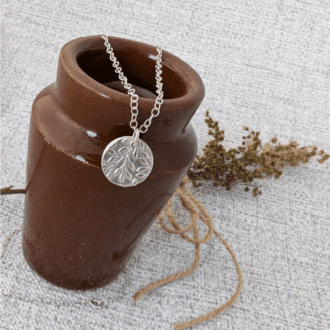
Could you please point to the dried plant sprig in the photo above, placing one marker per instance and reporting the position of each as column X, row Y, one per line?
column 8, row 190
column 225, row 169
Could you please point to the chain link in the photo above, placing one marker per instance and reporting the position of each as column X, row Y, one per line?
column 131, row 91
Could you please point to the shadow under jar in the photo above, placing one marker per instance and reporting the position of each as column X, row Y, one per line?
column 79, row 228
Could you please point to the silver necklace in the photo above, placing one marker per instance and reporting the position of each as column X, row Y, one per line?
column 127, row 160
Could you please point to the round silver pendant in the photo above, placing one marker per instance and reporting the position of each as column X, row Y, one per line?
column 127, row 162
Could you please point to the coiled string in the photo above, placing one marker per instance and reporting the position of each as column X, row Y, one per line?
column 190, row 203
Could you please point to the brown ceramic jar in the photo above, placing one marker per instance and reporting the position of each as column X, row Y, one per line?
column 79, row 228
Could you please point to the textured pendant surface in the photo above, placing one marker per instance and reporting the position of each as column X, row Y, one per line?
column 126, row 163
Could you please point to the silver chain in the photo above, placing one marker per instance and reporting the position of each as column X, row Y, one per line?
column 96, row 303
column 131, row 91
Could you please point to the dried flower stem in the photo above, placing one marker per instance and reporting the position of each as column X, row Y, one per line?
column 225, row 169
column 8, row 190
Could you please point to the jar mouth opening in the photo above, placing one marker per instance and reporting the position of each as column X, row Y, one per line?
column 85, row 59
column 139, row 69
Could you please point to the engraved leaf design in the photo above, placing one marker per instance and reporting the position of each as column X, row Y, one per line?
column 142, row 169
column 131, row 165
column 135, row 153
column 144, row 161
column 128, row 175
column 145, row 155
column 108, row 167
column 118, row 171
column 115, row 159
column 121, row 176
column 124, row 171
column 141, row 175
column 123, row 150
column 125, row 164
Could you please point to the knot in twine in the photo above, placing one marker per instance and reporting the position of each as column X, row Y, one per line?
column 190, row 203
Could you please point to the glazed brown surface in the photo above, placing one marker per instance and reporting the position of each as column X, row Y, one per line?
column 79, row 228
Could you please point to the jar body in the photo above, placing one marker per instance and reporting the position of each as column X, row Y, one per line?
column 79, row 228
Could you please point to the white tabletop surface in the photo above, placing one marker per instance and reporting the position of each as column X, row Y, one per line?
column 265, row 64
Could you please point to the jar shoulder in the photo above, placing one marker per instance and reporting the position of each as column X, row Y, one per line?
column 63, row 133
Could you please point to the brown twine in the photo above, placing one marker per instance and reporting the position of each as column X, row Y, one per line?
column 190, row 203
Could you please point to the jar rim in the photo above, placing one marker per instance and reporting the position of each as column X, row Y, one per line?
column 192, row 81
